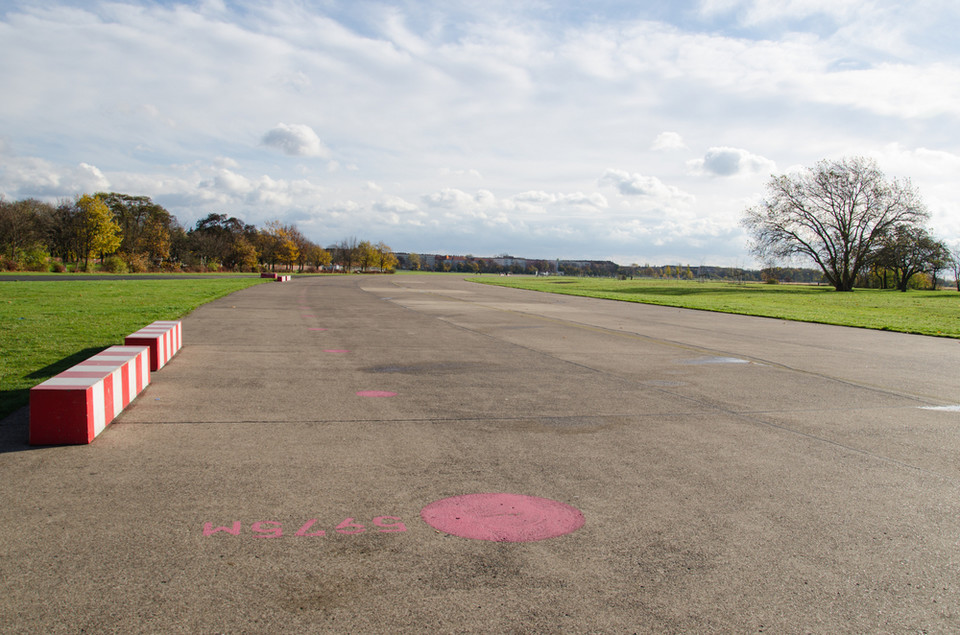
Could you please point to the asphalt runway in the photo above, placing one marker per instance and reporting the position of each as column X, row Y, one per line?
column 412, row 454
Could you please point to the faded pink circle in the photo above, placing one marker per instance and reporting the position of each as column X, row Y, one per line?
column 336, row 350
column 375, row 393
column 502, row 517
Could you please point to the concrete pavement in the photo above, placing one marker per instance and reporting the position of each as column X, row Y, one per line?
column 734, row 474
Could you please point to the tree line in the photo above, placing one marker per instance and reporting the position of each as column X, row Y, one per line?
column 854, row 224
column 121, row 233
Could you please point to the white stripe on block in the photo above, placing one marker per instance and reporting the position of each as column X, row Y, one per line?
column 104, row 360
column 132, row 372
column 127, row 350
column 99, row 408
column 71, row 382
column 117, row 392
column 143, row 363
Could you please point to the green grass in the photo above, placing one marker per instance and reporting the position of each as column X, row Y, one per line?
column 47, row 326
column 923, row 312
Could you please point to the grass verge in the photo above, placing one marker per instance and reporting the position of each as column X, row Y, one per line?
column 923, row 312
column 48, row 326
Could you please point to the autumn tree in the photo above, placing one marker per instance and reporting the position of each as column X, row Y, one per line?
column 835, row 214
column 244, row 255
column 278, row 245
column 98, row 232
column 386, row 260
column 145, row 226
column 366, row 255
column 302, row 244
column 318, row 257
column 289, row 253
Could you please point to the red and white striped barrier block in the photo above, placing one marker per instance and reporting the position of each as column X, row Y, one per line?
column 164, row 337
column 76, row 405
column 282, row 278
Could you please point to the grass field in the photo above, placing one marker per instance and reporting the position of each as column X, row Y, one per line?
column 923, row 312
column 47, row 326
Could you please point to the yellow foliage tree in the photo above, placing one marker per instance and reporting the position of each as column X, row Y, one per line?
column 386, row 259
column 98, row 232
column 289, row 252
column 366, row 255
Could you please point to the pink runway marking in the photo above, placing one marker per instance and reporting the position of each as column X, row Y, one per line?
column 336, row 350
column 502, row 517
column 316, row 329
column 375, row 393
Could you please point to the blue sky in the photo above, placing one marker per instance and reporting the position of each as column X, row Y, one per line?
column 631, row 131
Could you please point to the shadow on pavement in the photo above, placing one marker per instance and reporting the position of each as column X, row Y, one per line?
column 15, row 432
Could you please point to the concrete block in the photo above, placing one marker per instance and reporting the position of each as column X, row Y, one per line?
column 164, row 338
column 79, row 403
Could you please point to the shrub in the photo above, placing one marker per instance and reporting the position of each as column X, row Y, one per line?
column 58, row 267
column 115, row 264
column 90, row 267
column 138, row 263
column 35, row 258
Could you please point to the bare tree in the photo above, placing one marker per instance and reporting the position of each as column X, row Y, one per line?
column 835, row 214
column 345, row 253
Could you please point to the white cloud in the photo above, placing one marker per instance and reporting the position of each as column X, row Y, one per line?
column 668, row 141
column 647, row 187
column 451, row 198
column 731, row 162
column 396, row 205
column 25, row 177
column 589, row 200
column 232, row 183
column 297, row 140
column 471, row 173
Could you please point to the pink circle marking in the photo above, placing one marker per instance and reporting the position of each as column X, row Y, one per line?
column 375, row 393
column 336, row 350
column 502, row 517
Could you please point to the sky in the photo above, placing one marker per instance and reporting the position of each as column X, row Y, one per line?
column 631, row 131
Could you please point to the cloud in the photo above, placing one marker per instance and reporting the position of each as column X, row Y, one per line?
column 648, row 187
column 296, row 140
column 753, row 12
column 395, row 205
column 35, row 177
column 668, row 141
column 731, row 162
column 450, row 172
